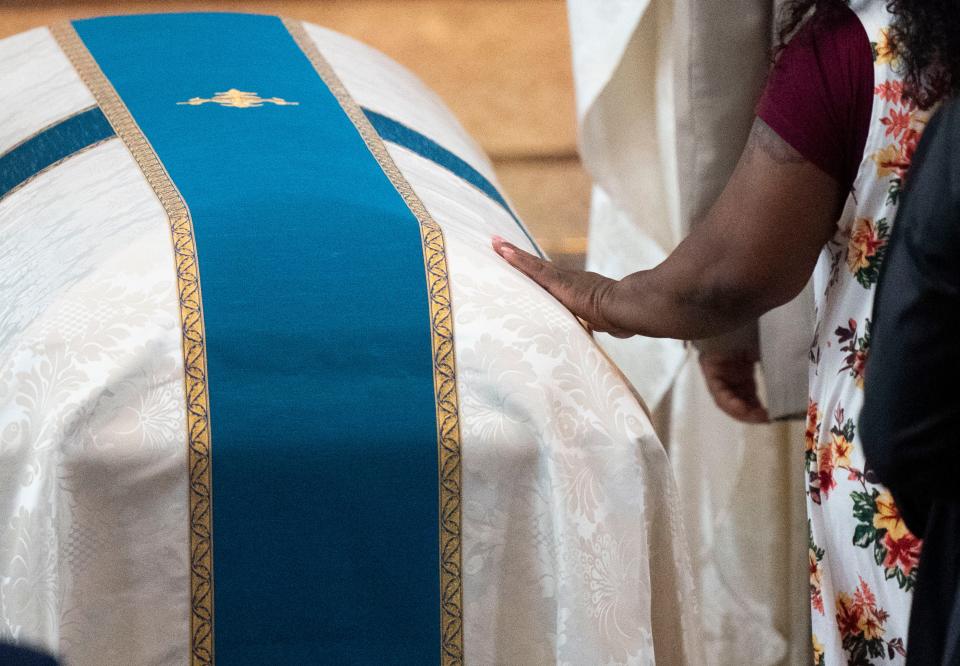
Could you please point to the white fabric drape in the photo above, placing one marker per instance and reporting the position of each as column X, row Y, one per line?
column 566, row 490
column 617, row 52
column 665, row 96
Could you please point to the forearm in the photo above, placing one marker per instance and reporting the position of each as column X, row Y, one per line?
column 700, row 291
column 754, row 251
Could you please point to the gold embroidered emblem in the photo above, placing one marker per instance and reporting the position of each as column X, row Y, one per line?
column 238, row 99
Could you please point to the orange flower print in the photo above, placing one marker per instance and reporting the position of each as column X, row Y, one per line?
column 861, row 623
column 816, row 582
column 863, row 244
column 825, row 465
column 866, row 249
column 879, row 525
column 907, row 149
column 904, row 123
column 881, row 529
column 870, row 625
column 902, row 554
column 890, row 91
column 887, row 517
column 813, row 426
column 829, row 456
column 848, row 618
column 866, row 603
column 858, row 254
column 811, row 438
column 842, row 448
column 897, row 123
column 884, row 52
column 815, row 554
column 889, row 161
column 860, row 367
column 818, row 657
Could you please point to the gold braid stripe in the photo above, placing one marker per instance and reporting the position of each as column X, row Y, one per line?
column 191, row 318
column 444, row 369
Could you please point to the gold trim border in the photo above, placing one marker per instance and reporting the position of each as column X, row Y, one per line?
column 444, row 366
column 194, row 339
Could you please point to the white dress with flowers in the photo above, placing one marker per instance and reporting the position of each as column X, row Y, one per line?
column 863, row 559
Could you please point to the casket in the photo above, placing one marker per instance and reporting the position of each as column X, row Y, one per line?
column 266, row 393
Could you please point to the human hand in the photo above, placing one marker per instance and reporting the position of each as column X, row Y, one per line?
column 733, row 386
column 587, row 295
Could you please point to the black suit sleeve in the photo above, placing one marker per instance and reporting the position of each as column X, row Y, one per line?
column 910, row 424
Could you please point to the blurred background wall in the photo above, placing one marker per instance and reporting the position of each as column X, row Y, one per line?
column 503, row 66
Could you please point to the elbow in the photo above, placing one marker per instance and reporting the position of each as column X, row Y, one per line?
column 750, row 280
column 746, row 296
column 779, row 289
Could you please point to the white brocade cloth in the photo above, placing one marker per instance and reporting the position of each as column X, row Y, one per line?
column 665, row 98
column 572, row 545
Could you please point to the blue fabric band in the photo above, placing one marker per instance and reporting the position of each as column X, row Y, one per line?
column 398, row 133
column 51, row 146
column 324, row 435
column 76, row 133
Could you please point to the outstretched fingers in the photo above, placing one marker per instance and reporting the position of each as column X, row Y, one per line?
column 540, row 271
column 582, row 293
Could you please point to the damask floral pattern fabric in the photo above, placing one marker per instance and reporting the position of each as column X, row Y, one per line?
column 552, row 510
column 572, row 549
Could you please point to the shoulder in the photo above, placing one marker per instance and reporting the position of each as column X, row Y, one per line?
column 837, row 32
column 819, row 94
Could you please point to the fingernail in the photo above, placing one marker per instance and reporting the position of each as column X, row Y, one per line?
column 504, row 248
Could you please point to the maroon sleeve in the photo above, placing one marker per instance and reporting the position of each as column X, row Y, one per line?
column 819, row 96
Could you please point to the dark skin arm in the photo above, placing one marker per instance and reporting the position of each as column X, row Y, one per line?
column 755, row 250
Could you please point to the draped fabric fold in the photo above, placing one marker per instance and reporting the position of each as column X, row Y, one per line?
column 620, row 49
column 665, row 93
column 266, row 392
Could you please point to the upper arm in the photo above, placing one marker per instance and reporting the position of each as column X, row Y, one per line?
column 782, row 202
column 758, row 244
column 762, row 237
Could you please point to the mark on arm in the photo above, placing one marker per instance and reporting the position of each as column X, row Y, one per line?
column 764, row 139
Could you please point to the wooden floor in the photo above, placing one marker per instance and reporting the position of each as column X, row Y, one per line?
column 503, row 66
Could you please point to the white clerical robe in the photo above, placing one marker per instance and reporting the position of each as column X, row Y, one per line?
column 665, row 98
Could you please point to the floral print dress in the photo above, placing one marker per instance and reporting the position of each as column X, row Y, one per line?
column 863, row 559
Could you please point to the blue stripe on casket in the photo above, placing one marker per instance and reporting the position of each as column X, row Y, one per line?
column 398, row 133
column 88, row 128
column 51, row 146
column 321, row 384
